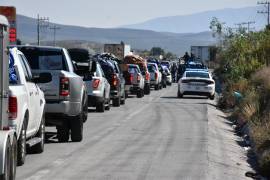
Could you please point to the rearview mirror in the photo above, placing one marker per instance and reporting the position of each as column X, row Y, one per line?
column 43, row 78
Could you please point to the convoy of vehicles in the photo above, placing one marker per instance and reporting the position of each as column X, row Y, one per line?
column 52, row 86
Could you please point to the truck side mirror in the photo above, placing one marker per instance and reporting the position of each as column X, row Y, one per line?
column 43, row 78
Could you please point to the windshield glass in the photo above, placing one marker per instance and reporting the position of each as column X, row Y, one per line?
column 197, row 74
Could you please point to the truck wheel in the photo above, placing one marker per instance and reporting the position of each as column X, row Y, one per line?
column 212, row 97
column 108, row 107
column 21, row 151
column 39, row 147
column 116, row 102
column 76, row 126
column 85, row 109
column 100, row 106
column 123, row 100
column 7, row 164
column 157, row 87
column 179, row 95
column 147, row 90
column 63, row 132
column 13, row 159
column 140, row 93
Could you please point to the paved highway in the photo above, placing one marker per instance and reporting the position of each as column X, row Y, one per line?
column 156, row 137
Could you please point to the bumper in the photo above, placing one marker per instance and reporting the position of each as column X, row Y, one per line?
column 94, row 100
column 153, row 82
column 64, row 107
column 202, row 90
column 132, row 89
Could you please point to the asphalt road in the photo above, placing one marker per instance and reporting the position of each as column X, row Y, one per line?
column 156, row 137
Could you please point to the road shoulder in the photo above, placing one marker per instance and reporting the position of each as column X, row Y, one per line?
column 226, row 158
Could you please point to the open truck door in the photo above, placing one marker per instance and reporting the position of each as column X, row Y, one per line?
column 8, row 140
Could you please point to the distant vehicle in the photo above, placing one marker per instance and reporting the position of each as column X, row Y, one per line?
column 119, row 50
column 98, row 88
column 10, row 13
column 66, row 95
column 196, row 83
column 114, row 75
column 155, row 75
column 142, row 63
column 134, row 80
column 168, row 76
column 166, row 63
column 26, row 106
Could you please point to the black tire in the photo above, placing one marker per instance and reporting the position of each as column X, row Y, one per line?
column 39, row 147
column 179, row 95
column 147, row 90
column 164, row 85
column 7, row 162
column 140, row 94
column 116, row 102
column 126, row 94
column 76, row 127
column 13, row 159
column 123, row 100
column 63, row 132
column 157, row 87
column 212, row 97
column 100, row 106
column 85, row 108
column 21, row 151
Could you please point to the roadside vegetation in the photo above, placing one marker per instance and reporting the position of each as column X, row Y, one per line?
column 243, row 68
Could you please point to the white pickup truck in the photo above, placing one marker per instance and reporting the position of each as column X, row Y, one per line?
column 26, row 105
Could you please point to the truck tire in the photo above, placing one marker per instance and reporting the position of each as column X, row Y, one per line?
column 63, row 132
column 108, row 107
column 116, row 102
column 147, row 90
column 85, row 109
column 21, row 151
column 179, row 95
column 76, row 127
column 140, row 93
column 7, row 164
column 13, row 159
column 100, row 107
column 39, row 147
column 157, row 87
column 123, row 100
column 212, row 97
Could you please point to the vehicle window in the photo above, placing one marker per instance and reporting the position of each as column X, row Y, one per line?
column 197, row 74
column 27, row 66
column 132, row 70
column 98, row 71
column 45, row 59
column 151, row 68
column 27, row 78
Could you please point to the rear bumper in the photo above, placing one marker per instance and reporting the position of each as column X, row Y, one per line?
column 132, row 89
column 153, row 82
column 94, row 100
column 61, row 110
column 203, row 91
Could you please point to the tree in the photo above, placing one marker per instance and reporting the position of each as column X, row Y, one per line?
column 157, row 51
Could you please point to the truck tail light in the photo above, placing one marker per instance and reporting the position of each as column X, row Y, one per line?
column 147, row 76
column 96, row 83
column 138, row 77
column 64, row 86
column 114, row 80
column 156, row 75
column 131, row 78
column 12, row 107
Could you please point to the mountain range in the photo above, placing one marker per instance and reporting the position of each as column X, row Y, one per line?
column 199, row 22
column 138, row 39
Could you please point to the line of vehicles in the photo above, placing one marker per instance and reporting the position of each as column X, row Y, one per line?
column 52, row 86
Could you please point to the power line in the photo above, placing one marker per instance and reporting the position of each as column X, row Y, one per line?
column 54, row 28
column 267, row 3
column 41, row 22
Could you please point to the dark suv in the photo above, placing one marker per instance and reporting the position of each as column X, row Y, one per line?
column 111, row 69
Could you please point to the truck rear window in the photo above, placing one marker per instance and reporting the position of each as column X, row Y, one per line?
column 45, row 59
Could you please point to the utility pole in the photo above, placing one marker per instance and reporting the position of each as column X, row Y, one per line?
column 54, row 28
column 248, row 28
column 267, row 3
column 41, row 23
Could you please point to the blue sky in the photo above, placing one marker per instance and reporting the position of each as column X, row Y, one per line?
column 113, row 13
